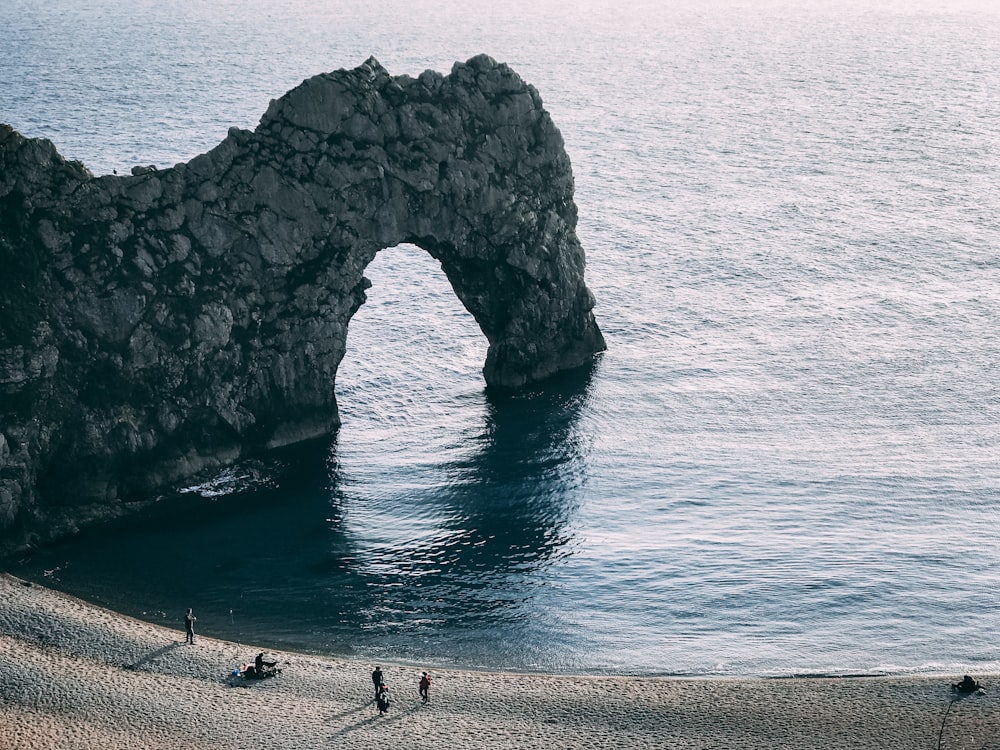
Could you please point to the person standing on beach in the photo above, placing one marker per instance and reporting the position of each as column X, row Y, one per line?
column 377, row 680
column 189, row 619
column 425, row 687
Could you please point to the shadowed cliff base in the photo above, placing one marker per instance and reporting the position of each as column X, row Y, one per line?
column 155, row 325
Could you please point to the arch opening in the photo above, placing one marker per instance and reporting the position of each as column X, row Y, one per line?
column 414, row 354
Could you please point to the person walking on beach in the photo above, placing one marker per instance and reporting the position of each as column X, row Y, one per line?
column 382, row 698
column 377, row 680
column 189, row 619
column 425, row 687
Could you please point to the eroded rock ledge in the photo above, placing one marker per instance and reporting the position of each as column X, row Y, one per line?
column 157, row 324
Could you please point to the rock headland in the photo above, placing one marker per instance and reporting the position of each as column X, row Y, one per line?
column 158, row 324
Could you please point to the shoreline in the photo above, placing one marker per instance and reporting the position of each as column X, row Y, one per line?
column 75, row 675
column 307, row 651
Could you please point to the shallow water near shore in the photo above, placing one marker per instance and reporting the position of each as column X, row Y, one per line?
column 788, row 460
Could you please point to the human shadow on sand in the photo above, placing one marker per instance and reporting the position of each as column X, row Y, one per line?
column 349, row 711
column 385, row 719
column 151, row 657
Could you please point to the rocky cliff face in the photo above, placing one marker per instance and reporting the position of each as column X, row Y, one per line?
column 157, row 324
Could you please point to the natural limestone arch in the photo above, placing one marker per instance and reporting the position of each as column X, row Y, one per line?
column 155, row 324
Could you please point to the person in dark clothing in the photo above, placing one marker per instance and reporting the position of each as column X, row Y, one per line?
column 377, row 680
column 967, row 685
column 425, row 687
column 382, row 698
column 189, row 619
column 263, row 667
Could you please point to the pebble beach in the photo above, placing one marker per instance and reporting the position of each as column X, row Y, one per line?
column 76, row 676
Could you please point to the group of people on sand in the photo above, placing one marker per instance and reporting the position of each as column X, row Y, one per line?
column 382, row 690
column 256, row 671
column 261, row 668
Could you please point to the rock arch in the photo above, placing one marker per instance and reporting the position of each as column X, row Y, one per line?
column 159, row 323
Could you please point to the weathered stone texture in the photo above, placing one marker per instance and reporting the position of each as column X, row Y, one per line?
column 155, row 324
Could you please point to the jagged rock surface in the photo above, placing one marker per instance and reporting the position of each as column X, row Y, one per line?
column 157, row 324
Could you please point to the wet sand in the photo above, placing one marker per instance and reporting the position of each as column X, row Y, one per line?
column 75, row 676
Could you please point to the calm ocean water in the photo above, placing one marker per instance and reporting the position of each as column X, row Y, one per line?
column 787, row 462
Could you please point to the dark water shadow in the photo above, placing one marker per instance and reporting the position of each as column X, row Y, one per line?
column 512, row 500
column 503, row 515
column 272, row 562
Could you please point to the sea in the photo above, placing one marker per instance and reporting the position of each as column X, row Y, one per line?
column 786, row 463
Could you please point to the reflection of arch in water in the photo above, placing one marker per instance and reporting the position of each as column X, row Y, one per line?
column 523, row 481
column 502, row 513
column 279, row 560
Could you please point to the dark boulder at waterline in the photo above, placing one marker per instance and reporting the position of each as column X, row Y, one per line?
column 158, row 324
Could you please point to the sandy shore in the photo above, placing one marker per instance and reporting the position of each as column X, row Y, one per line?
column 77, row 676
